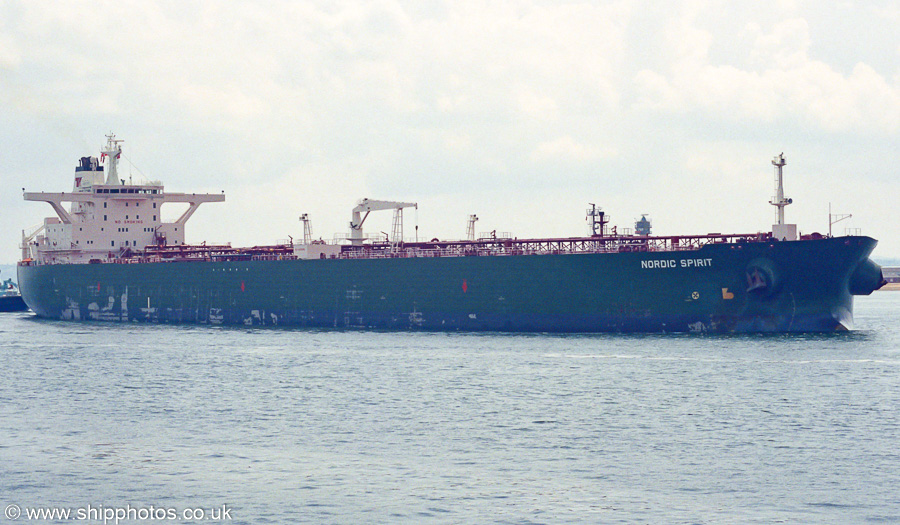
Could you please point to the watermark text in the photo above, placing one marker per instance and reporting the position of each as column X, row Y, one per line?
column 116, row 515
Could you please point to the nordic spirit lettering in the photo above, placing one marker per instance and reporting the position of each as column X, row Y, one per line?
column 672, row 263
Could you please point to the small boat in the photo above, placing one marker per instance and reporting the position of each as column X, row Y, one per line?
column 10, row 298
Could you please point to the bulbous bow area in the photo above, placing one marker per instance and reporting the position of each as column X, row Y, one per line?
column 866, row 278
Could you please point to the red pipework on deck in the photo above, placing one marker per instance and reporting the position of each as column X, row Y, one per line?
column 436, row 248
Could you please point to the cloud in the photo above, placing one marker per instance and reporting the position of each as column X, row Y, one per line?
column 225, row 103
column 282, row 102
column 532, row 104
column 10, row 58
column 779, row 81
column 567, row 149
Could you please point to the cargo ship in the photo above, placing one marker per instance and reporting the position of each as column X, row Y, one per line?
column 108, row 256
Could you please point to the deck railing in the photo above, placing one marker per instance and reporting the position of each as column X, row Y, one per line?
column 498, row 247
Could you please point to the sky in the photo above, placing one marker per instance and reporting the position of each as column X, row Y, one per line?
column 521, row 112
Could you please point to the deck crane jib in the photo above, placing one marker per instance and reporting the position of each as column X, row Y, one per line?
column 369, row 205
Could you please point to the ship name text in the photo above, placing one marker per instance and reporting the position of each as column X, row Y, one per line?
column 672, row 263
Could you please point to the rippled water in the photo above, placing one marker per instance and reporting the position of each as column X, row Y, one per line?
column 288, row 426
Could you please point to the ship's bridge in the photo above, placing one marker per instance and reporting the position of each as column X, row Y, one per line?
column 107, row 218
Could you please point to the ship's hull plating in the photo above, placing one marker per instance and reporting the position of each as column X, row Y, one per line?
column 778, row 286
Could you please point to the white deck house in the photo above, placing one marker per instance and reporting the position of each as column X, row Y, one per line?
column 107, row 217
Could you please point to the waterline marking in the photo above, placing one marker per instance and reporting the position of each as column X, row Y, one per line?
column 115, row 515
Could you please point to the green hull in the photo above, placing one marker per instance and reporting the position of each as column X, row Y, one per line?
column 756, row 286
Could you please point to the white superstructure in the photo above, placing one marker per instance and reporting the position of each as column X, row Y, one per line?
column 107, row 218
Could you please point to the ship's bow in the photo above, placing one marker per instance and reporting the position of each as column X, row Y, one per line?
column 863, row 276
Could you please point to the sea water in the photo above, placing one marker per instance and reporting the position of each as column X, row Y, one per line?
column 232, row 425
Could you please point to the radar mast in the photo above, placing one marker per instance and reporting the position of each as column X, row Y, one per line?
column 112, row 150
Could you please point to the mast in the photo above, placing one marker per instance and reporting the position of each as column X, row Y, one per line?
column 112, row 150
column 780, row 230
column 470, row 229
column 307, row 229
column 835, row 218
column 779, row 200
column 597, row 220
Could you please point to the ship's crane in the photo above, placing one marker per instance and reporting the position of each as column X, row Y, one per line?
column 368, row 206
